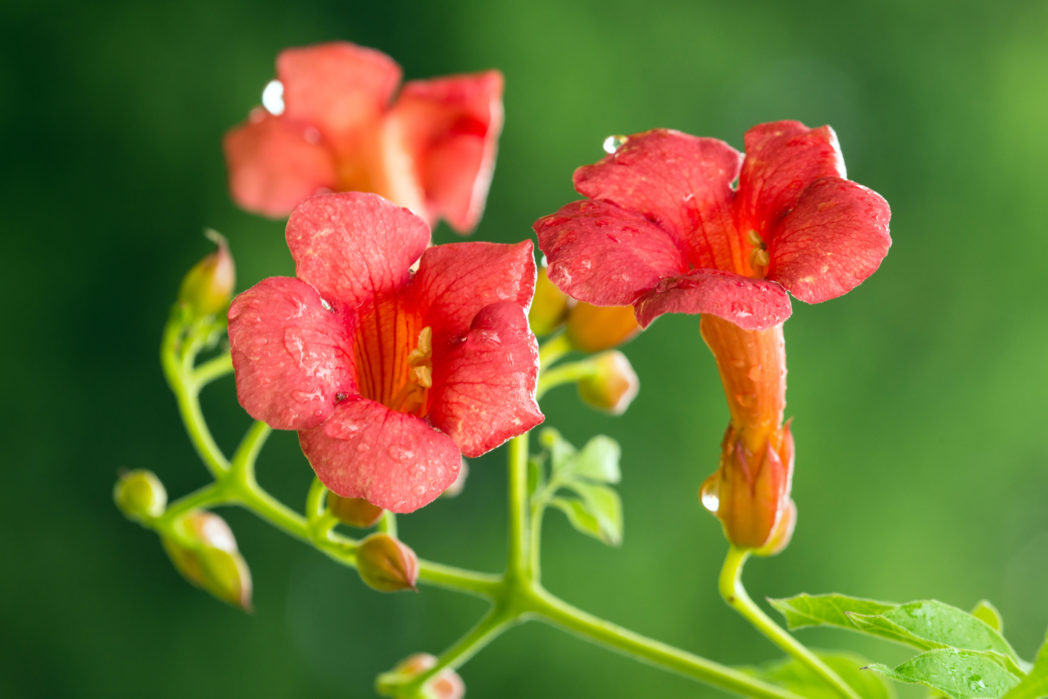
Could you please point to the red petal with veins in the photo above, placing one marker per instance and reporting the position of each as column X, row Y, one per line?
column 603, row 254
column 291, row 355
column 679, row 182
column 451, row 127
column 752, row 304
column 338, row 87
column 783, row 158
column 353, row 247
column 484, row 385
column 393, row 460
column 454, row 282
column 274, row 163
column 831, row 242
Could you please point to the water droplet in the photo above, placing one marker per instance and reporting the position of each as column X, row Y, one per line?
column 295, row 344
column 400, row 454
column 614, row 142
column 325, row 304
column 273, row 97
column 305, row 396
column 709, row 497
column 363, row 447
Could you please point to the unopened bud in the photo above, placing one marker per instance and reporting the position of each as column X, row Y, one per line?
column 140, row 495
column 386, row 564
column 445, row 685
column 549, row 306
column 204, row 551
column 612, row 386
column 782, row 533
column 459, row 484
column 595, row 328
column 208, row 286
column 356, row 512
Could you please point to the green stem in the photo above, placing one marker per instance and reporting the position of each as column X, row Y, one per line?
column 213, row 369
column 387, row 524
column 566, row 373
column 733, row 592
column 639, row 647
column 517, row 559
column 553, row 349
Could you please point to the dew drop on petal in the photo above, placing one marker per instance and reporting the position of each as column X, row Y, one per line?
column 614, row 142
column 273, row 97
column 709, row 497
column 400, row 454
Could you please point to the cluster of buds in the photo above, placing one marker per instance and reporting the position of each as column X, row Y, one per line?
column 610, row 384
column 446, row 684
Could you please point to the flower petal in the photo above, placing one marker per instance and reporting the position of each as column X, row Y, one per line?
column 339, row 88
column 679, row 182
column 353, row 246
column 782, row 159
column 603, row 254
column 752, row 304
column 455, row 281
column 393, row 460
column 484, row 386
column 291, row 355
column 831, row 242
column 275, row 163
column 452, row 125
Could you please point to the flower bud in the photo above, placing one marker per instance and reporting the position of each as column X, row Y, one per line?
column 356, row 512
column 386, row 564
column 595, row 328
column 140, row 495
column 445, row 685
column 548, row 307
column 612, row 386
column 208, row 286
column 204, row 551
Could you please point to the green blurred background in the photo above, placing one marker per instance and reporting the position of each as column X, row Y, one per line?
column 919, row 399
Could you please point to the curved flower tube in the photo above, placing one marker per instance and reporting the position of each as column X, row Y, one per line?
column 389, row 376
column 665, row 230
column 329, row 123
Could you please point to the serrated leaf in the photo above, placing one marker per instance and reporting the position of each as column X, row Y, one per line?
column 826, row 610
column 930, row 624
column 1035, row 684
column 597, row 461
column 960, row 674
column 801, row 680
column 603, row 503
column 986, row 612
column 579, row 516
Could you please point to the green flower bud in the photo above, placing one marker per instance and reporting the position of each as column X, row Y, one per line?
column 208, row 286
column 613, row 384
column 140, row 495
column 445, row 685
column 356, row 512
column 386, row 564
column 204, row 551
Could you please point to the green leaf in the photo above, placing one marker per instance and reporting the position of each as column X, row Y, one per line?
column 579, row 516
column 1034, row 685
column 560, row 450
column 799, row 678
column 536, row 475
column 826, row 610
column 929, row 624
column 986, row 612
column 925, row 624
column 597, row 461
column 960, row 674
column 603, row 503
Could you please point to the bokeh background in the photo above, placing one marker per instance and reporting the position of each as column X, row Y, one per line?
column 919, row 399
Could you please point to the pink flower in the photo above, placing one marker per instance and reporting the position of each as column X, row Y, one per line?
column 390, row 376
column 664, row 229
column 329, row 125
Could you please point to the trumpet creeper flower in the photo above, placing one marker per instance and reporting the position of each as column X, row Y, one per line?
column 329, row 123
column 389, row 375
column 665, row 229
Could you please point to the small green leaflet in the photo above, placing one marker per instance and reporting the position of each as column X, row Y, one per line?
column 593, row 507
column 987, row 612
column 959, row 674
